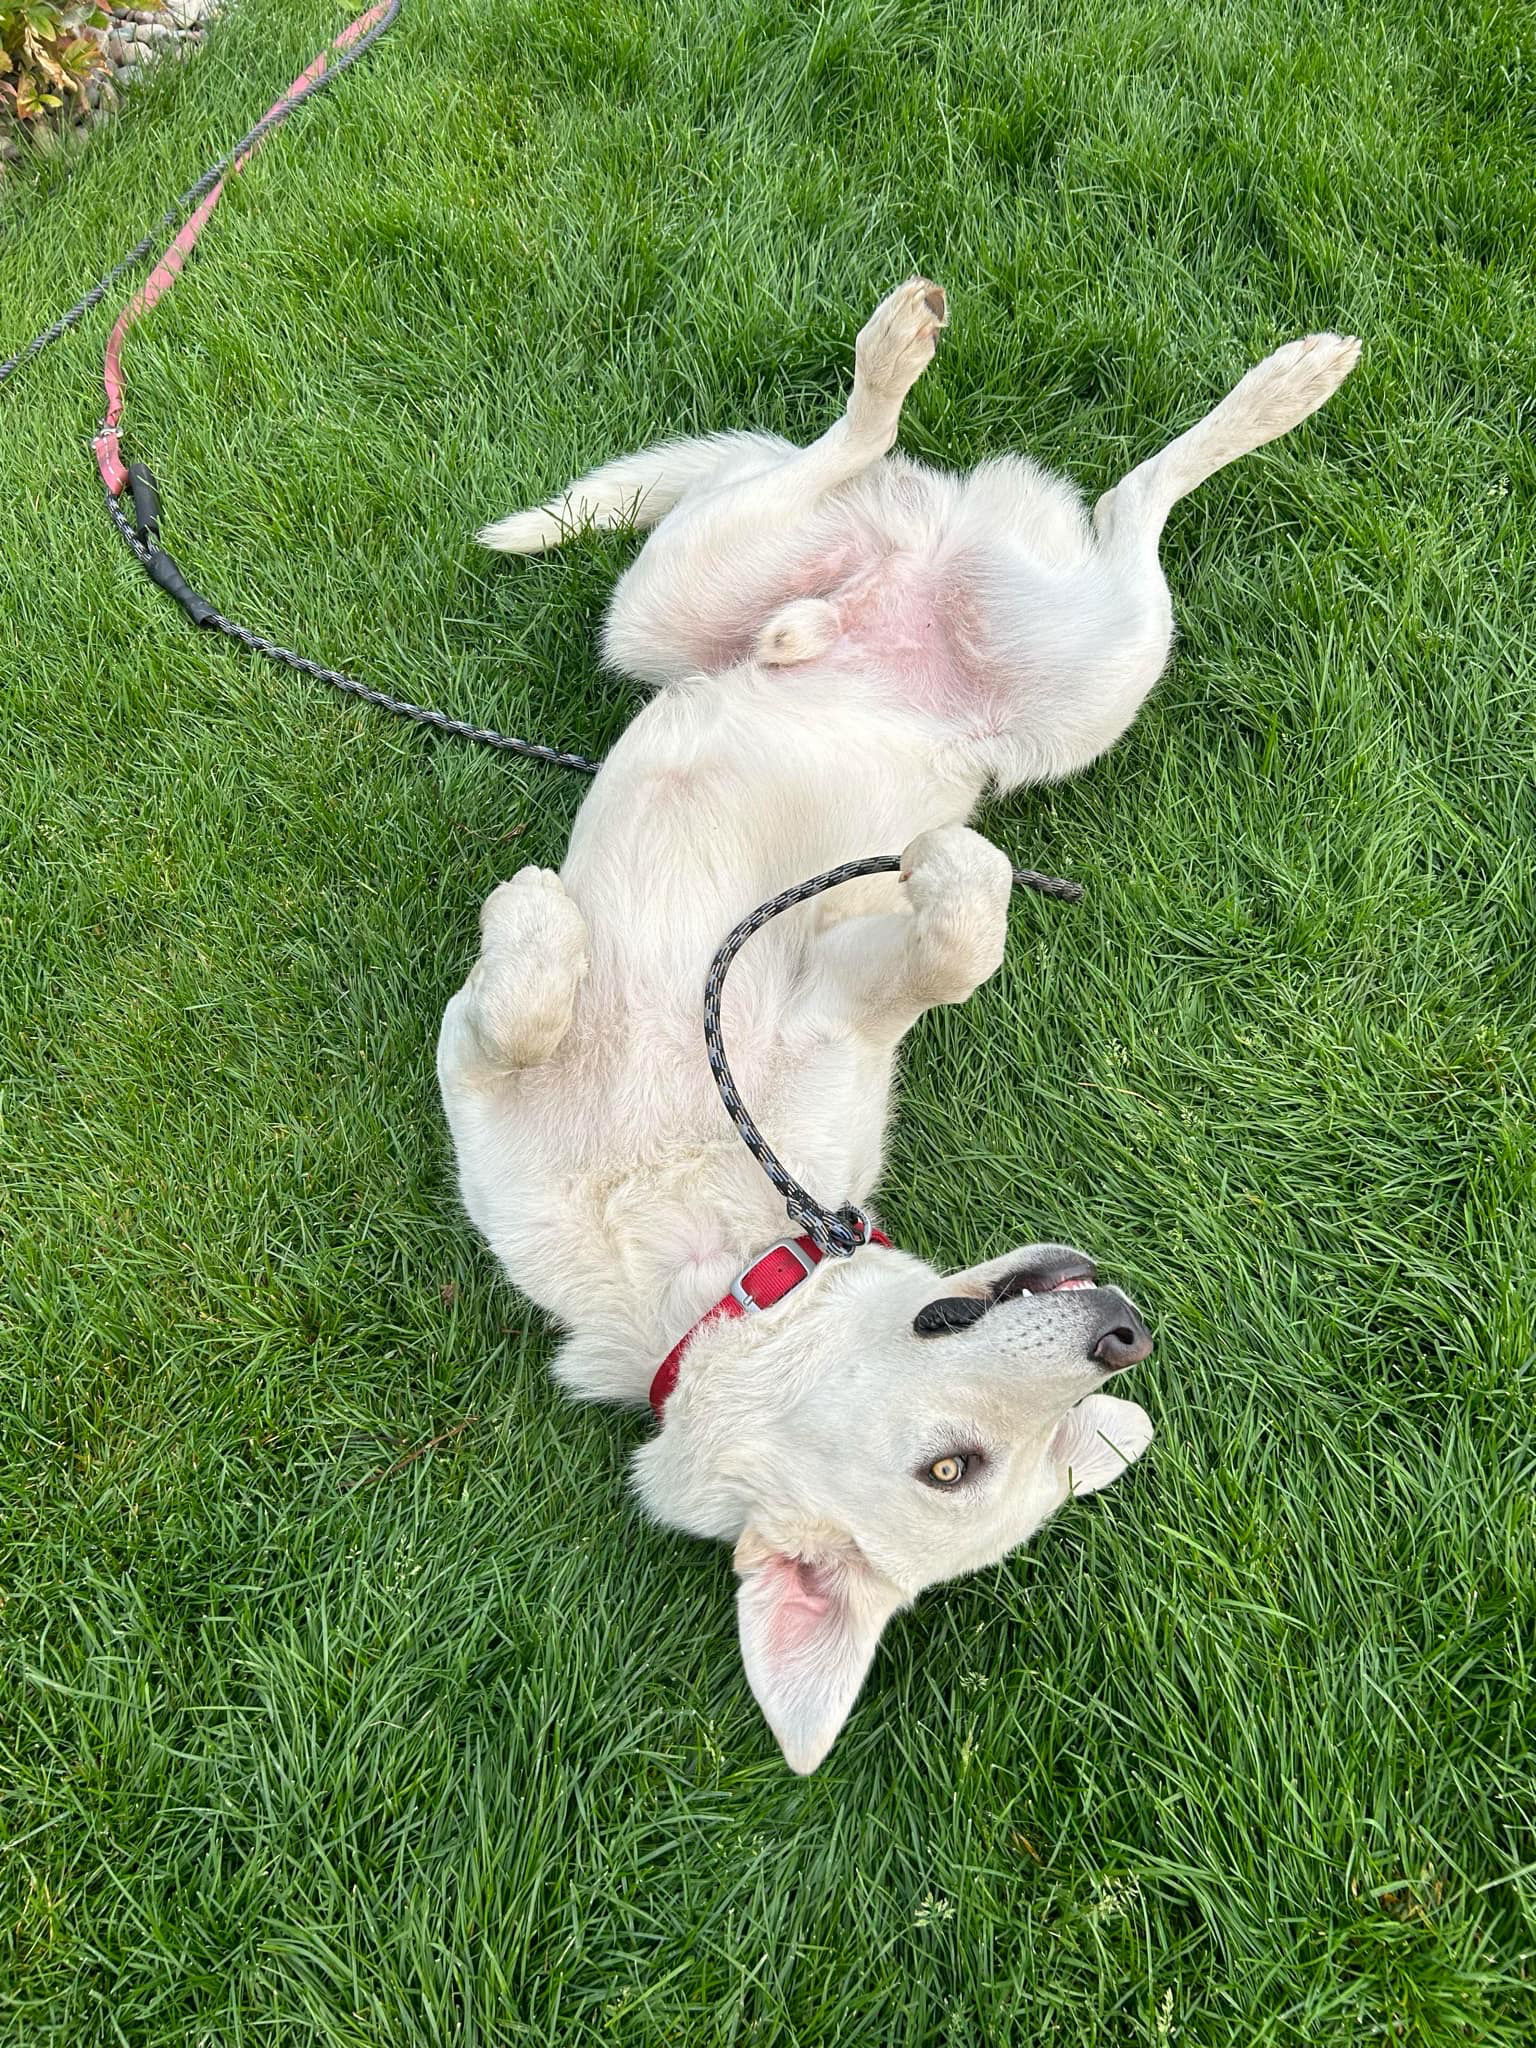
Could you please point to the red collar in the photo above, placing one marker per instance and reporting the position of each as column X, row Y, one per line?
column 767, row 1280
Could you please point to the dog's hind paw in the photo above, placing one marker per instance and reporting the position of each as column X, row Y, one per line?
column 1291, row 384
column 897, row 342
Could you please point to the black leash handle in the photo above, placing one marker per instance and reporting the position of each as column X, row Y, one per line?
column 838, row 1233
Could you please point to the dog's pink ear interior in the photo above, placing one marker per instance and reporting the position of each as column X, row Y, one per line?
column 809, row 1626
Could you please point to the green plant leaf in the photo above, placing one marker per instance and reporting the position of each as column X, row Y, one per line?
column 81, row 57
column 31, row 100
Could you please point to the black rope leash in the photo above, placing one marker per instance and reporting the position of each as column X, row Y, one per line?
column 140, row 535
column 838, row 1233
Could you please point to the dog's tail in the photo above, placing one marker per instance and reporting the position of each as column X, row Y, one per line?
column 634, row 491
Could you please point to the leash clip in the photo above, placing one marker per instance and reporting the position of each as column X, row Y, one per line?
column 836, row 1236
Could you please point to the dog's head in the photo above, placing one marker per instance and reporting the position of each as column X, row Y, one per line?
column 882, row 1429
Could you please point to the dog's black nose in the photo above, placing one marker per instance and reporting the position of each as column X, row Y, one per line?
column 1120, row 1337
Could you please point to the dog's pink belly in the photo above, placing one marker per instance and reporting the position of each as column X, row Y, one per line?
column 898, row 620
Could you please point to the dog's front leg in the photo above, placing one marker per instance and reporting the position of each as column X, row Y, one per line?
column 515, row 1008
column 884, row 971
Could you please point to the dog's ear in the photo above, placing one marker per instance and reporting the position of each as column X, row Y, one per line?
column 1097, row 1440
column 809, row 1626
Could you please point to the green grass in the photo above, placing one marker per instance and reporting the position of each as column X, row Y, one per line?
column 299, row 1749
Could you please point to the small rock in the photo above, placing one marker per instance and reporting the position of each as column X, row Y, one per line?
column 117, row 50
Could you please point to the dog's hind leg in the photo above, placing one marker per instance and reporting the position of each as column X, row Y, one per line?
column 515, row 1008
column 1275, row 396
column 761, row 537
column 1073, row 646
column 635, row 491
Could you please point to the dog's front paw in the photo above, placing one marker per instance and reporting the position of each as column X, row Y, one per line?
column 959, row 886
column 953, row 861
column 533, row 957
column 530, row 910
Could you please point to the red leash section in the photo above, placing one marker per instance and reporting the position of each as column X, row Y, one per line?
column 139, row 529
column 108, row 441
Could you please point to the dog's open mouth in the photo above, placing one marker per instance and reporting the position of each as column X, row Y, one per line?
column 960, row 1311
column 1056, row 1278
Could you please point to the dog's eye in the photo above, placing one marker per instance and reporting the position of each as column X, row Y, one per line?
column 950, row 1469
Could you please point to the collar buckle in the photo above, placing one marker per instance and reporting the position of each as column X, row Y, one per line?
column 737, row 1291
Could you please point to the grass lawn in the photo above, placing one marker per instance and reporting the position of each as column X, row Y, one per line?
column 301, row 1744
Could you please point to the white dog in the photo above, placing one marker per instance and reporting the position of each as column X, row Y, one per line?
column 847, row 648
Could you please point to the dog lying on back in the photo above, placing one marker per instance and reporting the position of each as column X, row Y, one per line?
column 847, row 649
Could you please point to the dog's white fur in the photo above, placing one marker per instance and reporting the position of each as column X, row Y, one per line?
column 847, row 648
